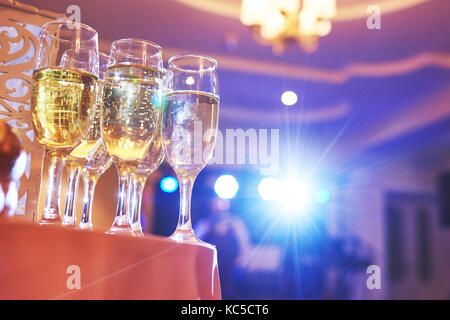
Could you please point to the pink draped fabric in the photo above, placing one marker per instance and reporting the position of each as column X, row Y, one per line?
column 45, row 262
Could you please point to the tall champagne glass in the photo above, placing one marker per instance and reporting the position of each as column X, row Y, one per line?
column 145, row 168
column 90, row 144
column 131, row 111
column 191, row 114
column 99, row 160
column 63, row 98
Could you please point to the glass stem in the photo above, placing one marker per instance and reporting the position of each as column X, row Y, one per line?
column 51, row 213
column 89, row 182
column 70, row 216
column 138, row 184
column 123, row 190
column 121, row 221
column 184, row 220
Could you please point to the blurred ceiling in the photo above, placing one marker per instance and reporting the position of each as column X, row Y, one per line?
column 360, row 89
column 348, row 9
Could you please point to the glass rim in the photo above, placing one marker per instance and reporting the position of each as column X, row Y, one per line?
column 106, row 55
column 79, row 24
column 193, row 55
column 136, row 40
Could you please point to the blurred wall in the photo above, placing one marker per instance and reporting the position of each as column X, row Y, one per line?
column 365, row 199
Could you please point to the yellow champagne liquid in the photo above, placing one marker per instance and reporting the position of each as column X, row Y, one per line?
column 190, row 120
column 61, row 105
column 85, row 149
column 131, row 110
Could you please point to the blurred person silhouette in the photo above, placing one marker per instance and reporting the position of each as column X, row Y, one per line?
column 230, row 236
column 12, row 166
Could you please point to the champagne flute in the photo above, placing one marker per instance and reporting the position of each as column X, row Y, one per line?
column 191, row 114
column 145, row 168
column 89, row 145
column 62, row 99
column 100, row 161
column 131, row 112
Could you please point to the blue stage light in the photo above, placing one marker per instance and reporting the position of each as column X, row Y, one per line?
column 289, row 98
column 296, row 196
column 169, row 184
column 226, row 186
column 269, row 189
column 322, row 196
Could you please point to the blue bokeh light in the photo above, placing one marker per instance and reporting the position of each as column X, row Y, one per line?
column 169, row 184
column 322, row 196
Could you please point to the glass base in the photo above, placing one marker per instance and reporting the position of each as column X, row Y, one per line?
column 183, row 235
column 69, row 222
column 120, row 230
column 121, row 225
column 86, row 226
column 50, row 218
column 137, row 230
column 138, row 233
column 187, row 236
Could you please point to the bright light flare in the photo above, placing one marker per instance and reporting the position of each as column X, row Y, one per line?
column 226, row 186
column 296, row 196
column 190, row 81
column 322, row 196
column 269, row 189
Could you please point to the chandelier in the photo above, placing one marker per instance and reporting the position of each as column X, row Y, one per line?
column 281, row 22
